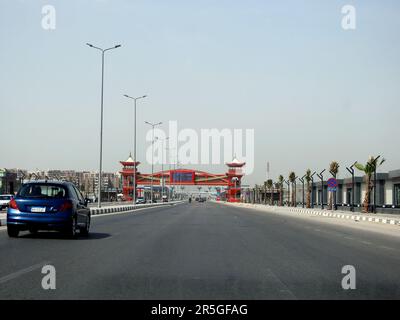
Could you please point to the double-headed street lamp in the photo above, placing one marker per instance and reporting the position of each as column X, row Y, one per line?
column 334, row 192
column 302, row 181
column 162, row 165
column 101, row 117
column 134, row 144
column 295, row 191
column 375, row 164
column 351, row 171
column 321, row 176
column 312, row 189
column 152, row 155
column 169, row 168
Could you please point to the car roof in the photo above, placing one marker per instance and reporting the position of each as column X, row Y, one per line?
column 53, row 182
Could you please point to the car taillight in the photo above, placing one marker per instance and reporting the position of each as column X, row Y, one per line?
column 13, row 204
column 67, row 205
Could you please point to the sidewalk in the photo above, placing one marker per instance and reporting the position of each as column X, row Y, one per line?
column 393, row 219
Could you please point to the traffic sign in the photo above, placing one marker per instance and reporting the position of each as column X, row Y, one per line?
column 332, row 184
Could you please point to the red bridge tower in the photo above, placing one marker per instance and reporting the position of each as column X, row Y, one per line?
column 234, row 174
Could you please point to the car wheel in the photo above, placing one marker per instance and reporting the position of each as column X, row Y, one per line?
column 71, row 231
column 85, row 230
column 12, row 231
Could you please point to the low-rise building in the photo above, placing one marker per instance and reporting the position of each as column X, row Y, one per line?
column 350, row 193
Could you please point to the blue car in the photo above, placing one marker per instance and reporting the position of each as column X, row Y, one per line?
column 45, row 205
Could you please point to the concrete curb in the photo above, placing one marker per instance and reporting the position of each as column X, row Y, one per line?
column 3, row 222
column 316, row 212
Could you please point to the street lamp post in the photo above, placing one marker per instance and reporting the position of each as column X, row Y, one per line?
column 302, row 181
column 334, row 192
column 295, row 192
column 312, row 189
column 351, row 170
column 179, row 173
column 175, row 174
column 101, row 117
column 134, row 145
column 152, row 156
column 321, row 176
column 169, row 169
column 375, row 162
column 162, row 166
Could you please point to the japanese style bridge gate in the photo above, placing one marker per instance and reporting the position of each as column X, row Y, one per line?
column 184, row 177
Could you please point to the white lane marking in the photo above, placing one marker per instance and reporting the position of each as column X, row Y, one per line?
column 365, row 242
column 386, row 248
column 21, row 272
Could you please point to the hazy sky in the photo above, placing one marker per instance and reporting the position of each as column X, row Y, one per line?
column 312, row 91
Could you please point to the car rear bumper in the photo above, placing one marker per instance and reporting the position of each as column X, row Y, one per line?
column 40, row 221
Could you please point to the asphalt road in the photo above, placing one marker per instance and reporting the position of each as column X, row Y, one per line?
column 202, row 251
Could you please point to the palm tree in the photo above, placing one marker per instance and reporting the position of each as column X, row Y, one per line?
column 292, row 179
column 369, row 168
column 280, row 181
column 334, row 169
column 269, row 185
column 308, row 179
column 265, row 192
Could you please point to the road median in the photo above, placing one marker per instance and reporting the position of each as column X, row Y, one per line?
column 110, row 209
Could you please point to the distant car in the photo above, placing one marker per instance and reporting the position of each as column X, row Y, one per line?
column 202, row 199
column 164, row 199
column 218, row 198
column 140, row 201
column 154, row 201
column 48, row 205
column 4, row 200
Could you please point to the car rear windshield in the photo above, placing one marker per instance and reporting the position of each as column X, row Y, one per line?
column 42, row 191
column 5, row 197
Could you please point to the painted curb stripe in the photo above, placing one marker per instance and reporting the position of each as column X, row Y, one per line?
column 320, row 213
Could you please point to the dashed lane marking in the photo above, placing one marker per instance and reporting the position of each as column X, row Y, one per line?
column 21, row 272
